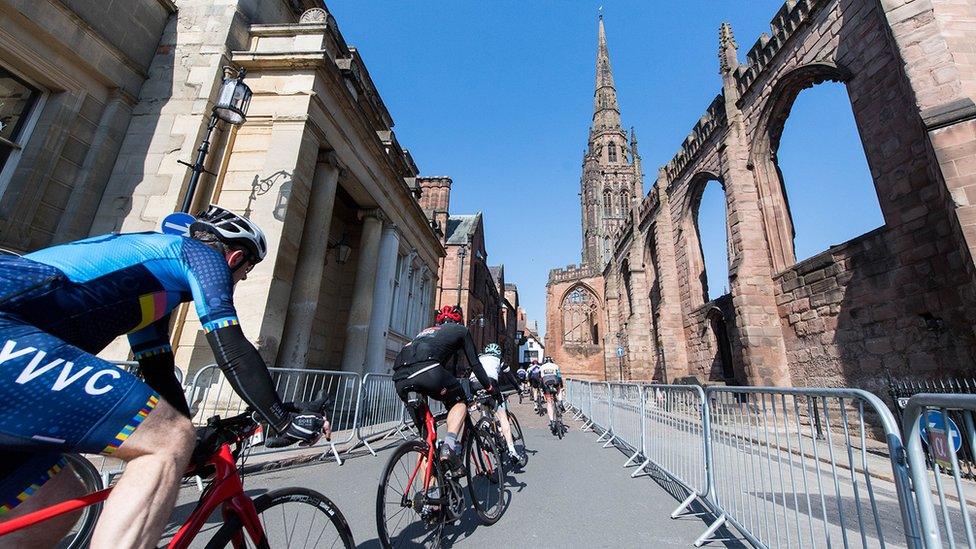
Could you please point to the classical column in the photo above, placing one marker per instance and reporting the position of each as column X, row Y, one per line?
column 379, row 322
column 361, row 310
column 307, row 282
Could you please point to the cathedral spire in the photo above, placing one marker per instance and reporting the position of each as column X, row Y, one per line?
column 606, row 113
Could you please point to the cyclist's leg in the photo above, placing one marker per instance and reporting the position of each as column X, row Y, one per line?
column 501, row 412
column 81, row 403
column 17, row 466
column 157, row 454
column 549, row 405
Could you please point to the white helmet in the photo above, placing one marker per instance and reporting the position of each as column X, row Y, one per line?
column 234, row 230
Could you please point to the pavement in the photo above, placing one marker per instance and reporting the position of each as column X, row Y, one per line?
column 572, row 493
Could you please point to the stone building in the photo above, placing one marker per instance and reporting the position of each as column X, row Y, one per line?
column 104, row 102
column 466, row 278
column 896, row 301
column 577, row 334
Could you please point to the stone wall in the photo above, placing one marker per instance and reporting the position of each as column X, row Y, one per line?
column 896, row 301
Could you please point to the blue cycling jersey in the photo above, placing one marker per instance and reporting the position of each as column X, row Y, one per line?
column 118, row 284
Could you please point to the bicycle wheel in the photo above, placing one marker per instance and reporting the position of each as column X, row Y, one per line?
column 81, row 532
column 560, row 426
column 407, row 519
column 485, row 474
column 518, row 439
column 290, row 517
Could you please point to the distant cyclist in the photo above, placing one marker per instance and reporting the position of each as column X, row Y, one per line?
column 523, row 378
column 429, row 365
column 552, row 381
column 535, row 381
column 491, row 361
column 59, row 307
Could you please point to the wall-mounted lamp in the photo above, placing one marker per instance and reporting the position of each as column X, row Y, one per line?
column 342, row 248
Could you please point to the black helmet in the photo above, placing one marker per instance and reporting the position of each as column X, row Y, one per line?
column 234, row 230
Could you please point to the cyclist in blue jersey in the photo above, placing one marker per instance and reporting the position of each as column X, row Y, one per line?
column 59, row 307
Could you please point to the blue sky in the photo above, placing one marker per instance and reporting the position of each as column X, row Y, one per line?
column 499, row 96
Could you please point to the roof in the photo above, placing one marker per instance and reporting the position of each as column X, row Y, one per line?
column 496, row 272
column 461, row 228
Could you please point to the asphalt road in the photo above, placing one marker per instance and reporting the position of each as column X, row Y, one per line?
column 572, row 493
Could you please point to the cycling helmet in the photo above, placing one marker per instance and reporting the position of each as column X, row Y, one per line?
column 493, row 349
column 234, row 230
column 449, row 313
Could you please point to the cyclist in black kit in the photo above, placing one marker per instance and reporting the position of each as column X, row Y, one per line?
column 428, row 365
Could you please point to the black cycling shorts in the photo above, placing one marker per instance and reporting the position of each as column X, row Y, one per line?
column 431, row 380
column 551, row 386
column 535, row 382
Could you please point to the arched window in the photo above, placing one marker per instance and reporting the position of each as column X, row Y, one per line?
column 821, row 162
column 579, row 311
column 624, row 203
column 607, row 202
column 710, row 224
column 612, row 152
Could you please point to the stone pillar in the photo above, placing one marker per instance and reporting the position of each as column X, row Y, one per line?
column 361, row 310
column 934, row 39
column 379, row 322
column 671, row 331
column 307, row 284
column 639, row 345
column 761, row 347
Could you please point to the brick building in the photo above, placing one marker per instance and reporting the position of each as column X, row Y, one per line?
column 103, row 100
column 466, row 278
column 896, row 301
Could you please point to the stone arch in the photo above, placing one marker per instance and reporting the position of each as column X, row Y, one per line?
column 580, row 310
column 774, row 202
column 694, row 254
column 717, row 326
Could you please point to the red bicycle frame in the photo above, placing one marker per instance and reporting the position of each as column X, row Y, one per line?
column 226, row 489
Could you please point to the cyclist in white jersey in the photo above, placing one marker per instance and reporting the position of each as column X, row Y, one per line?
column 552, row 381
column 495, row 368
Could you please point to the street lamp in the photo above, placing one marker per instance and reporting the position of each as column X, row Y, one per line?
column 231, row 107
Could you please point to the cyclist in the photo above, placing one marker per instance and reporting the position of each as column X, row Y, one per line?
column 535, row 380
column 428, row 365
column 60, row 306
column 495, row 369
column 523, row 377
column 551, row 384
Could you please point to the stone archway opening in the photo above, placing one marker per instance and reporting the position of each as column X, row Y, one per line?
column 711, row 266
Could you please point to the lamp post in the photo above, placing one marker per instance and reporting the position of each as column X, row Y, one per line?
column 231, row 107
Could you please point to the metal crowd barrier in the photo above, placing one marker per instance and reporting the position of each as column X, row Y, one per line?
column 382, row 413
column 673, row 430
column 797, row 467
column 211, row 394
column 941, row 522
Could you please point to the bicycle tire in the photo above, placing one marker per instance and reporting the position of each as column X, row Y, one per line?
column 434, row 534
column 483, row 456
column 518, row 439
column 231, row 533
column 81, row 533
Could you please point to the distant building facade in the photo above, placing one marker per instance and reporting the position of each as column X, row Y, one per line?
column 103, row 100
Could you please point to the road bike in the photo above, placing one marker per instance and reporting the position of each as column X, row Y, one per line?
column 287, row 517
column 487, row 411
column 418, row 497
column 558, row 428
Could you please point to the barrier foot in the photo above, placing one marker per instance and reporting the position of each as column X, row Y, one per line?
column 600, row 439
column 684, row 505
column 640, row 470
column 631, row 460
column 609, row 441
column 331, row 449
column 370, row 448
column 585, row 426
column 707, row 536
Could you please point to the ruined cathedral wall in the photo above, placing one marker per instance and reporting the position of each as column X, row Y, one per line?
column 896, row 300
column 578, row 361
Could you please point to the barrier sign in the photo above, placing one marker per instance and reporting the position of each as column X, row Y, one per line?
column 620, row 352
column 942, row 436
column 177, row 223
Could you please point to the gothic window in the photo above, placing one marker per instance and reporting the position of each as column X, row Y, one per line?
column 624, row 202
column 612, row 152
column 580, row 313
column 607, row 203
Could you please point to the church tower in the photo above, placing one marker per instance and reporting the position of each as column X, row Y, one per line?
column 611, row 181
